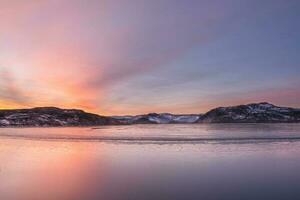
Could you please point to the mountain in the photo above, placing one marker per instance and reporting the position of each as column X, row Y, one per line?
column 251, row 113
column 154, row 118
column 51, row 116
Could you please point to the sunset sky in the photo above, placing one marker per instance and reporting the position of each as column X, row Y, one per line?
column 117, row 57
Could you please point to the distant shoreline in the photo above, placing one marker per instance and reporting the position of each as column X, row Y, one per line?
column 150, row 124
column 55, row 117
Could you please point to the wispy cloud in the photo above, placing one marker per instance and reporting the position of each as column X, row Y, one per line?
column 74, row 53
column 10, row 90
column 85, row 48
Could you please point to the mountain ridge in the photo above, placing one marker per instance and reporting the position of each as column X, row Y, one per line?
column 263, row 112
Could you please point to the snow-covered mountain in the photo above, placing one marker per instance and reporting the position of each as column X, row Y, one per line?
column 251, row 113
column 154, row 118
column 51, row 116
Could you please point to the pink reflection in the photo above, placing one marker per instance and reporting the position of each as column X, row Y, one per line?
column 42, row 170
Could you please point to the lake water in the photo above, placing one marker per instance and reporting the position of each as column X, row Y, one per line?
column 216, row 161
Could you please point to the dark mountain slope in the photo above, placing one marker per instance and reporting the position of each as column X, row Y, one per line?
column 251, row 113
column 51, row 116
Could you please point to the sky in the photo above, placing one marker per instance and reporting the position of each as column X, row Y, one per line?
column 117, row 57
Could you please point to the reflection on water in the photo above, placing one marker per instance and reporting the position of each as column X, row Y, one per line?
column 63, row 169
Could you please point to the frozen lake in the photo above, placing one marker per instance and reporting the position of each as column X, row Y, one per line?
column 203, row 161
